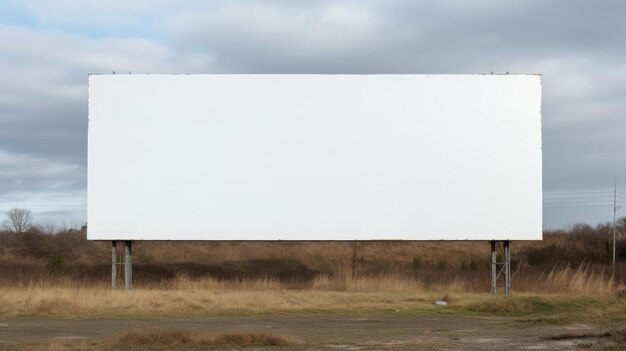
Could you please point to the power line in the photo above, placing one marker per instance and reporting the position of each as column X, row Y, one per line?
column 578, row 199
column 587, row 203
column 578, row 206
column 582, row 199
column 576, row 203
column 581, row 196
column 580, row 192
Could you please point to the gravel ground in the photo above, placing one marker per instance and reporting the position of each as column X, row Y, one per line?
column 320, row 332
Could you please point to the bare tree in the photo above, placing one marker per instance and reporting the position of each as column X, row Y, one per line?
column 18, row 221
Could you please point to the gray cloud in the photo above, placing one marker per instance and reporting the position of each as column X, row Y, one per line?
column 577, row 45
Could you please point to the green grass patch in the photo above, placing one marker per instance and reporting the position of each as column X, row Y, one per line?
column 550, row 309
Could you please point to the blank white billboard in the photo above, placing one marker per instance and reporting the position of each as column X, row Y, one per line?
column 314, row 157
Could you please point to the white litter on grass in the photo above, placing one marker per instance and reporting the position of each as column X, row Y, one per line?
column 441, row 303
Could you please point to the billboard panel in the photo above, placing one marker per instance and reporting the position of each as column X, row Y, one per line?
column 314, row 157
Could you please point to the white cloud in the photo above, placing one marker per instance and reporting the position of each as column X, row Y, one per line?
column 43, row 186
column 241, row 33
column 23, row 171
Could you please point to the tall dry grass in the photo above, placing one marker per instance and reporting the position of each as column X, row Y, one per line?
column 207, row 296
column 574, row 261
column 582, row 280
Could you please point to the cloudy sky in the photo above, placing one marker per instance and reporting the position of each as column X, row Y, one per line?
column 47, row 49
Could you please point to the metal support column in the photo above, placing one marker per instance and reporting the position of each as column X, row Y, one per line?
column 507, row 268
column 113, row 264
column 498, row 268
column 128, row 265
column 494, row 268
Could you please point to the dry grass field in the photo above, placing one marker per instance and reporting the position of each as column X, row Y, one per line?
column 63, row 274
column 205, row 298
column 565, row 281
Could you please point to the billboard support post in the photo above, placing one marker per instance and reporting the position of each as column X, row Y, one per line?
column 505, row 266
column 113, row 264
column 128, row 265
column 494, row 268
column 124, row 259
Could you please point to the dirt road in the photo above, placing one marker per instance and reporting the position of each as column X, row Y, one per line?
column 373, row 332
